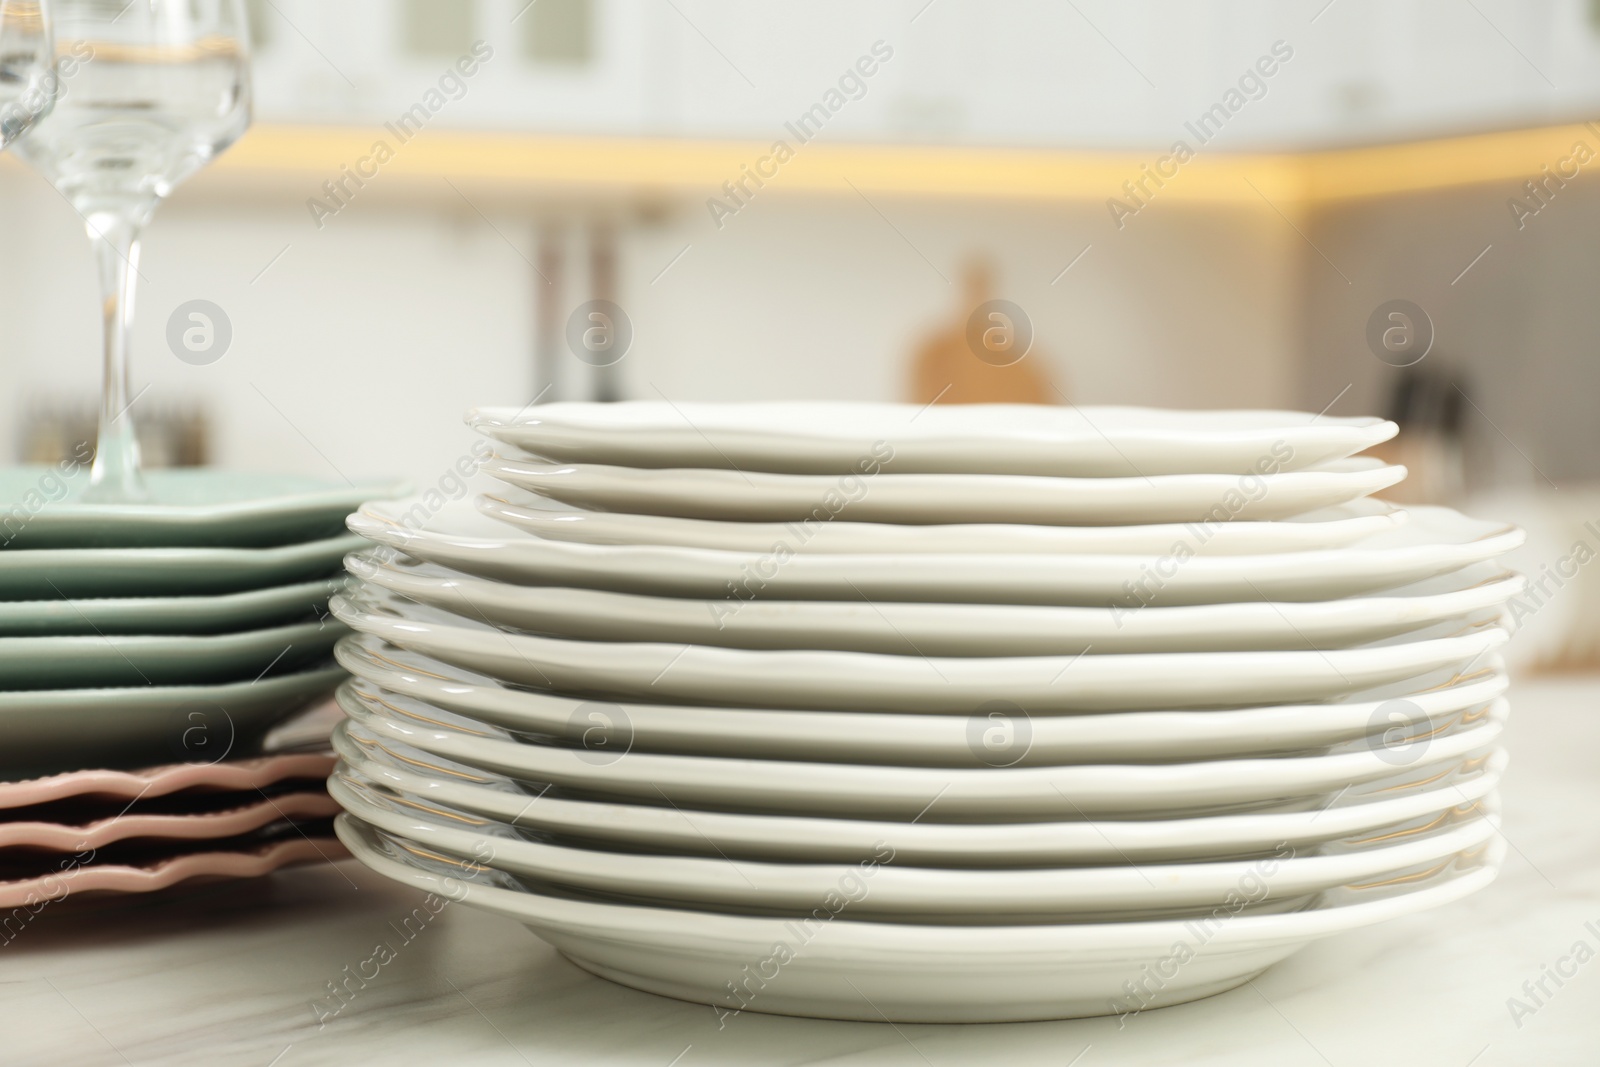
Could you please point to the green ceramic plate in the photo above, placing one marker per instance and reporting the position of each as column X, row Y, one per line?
column 49, row 731
column 252, row 610
column 58, row 573
column 191, row 506
column 162, row 659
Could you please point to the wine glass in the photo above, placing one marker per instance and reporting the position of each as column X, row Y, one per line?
column 161, row 87
column 28, row 81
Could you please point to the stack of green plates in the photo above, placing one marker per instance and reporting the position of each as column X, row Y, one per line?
column 178, row 629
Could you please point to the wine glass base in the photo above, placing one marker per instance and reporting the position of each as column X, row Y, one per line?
column 115, row 477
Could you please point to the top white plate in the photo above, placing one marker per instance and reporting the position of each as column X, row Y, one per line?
column 832, row 437
column 872, row 494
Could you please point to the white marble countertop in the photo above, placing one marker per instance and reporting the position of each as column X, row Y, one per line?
column 230, row 973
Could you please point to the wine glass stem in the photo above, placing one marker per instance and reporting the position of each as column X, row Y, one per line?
column 115, row 475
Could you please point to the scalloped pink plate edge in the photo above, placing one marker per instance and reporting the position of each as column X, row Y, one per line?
column 62, row 837
column 159, row 781
column 35, row 893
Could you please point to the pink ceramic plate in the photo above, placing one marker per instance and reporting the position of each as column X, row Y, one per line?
column 36, row 892
column 159, row 781
column 194, row 825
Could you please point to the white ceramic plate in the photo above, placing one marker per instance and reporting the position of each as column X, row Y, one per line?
column 1363, row 809
column 877, row 496
column 1326, row 528
column 833, row 437
column 1435, row 541
column 842, row 968
column 1424, row 705
column 875, row 682
column 1474, row 594
column 940, row 793
column 903, row 893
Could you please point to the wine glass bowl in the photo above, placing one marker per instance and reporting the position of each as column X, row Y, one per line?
column 148, row 109
column 27, row 67
column 161, row 88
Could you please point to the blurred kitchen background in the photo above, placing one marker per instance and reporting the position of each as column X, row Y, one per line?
column 1382, row 206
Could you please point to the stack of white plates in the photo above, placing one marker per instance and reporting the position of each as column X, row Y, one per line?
column 943, row 714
